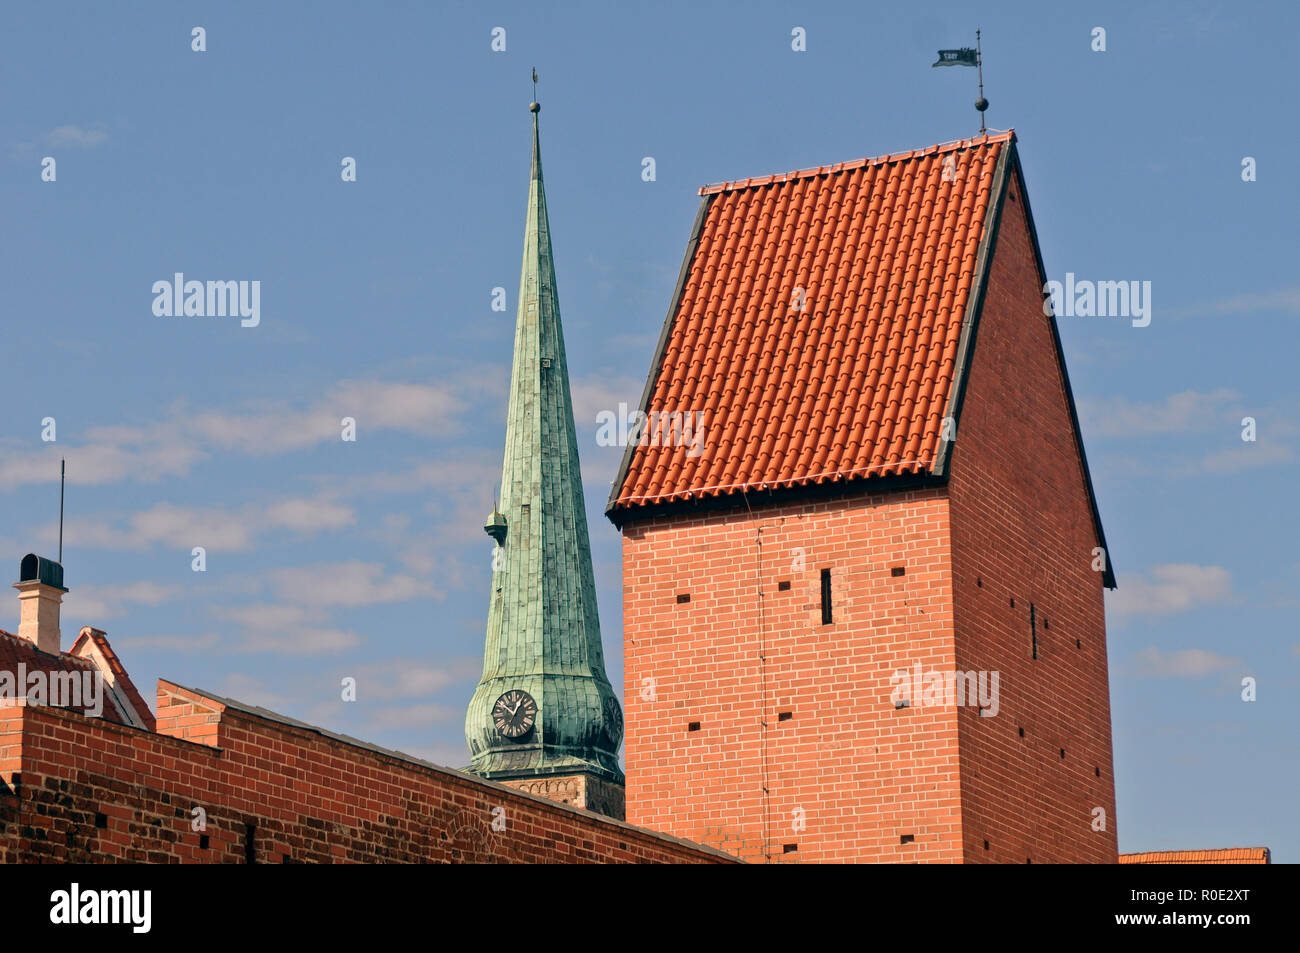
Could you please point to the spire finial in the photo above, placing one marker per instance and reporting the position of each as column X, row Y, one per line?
column 981, row 104
column 534, row 106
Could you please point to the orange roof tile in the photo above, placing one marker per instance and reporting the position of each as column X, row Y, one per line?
column 884, row 254
column 15, row 650
column 91, row 641
column 1226, row 855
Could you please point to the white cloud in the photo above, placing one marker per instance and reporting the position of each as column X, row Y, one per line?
column 75, row 137
column 303, row 640
column 1172, row 588
column 171, row 643
column 126, row 456
column 1284, row 300
column 92, row 604
column 171, row 447
column 602, row 392
column 406, row 717
column 262, row 616
column 286, row 630
column 1247, row 456
column 251, row 691
column 1185, row 663
column 309, row 515
column 1178, row 413
column 397, row 678
column 349, row 584
column 215, row 529
column 421, row 409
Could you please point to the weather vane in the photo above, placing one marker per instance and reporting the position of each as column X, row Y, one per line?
column 968, row 57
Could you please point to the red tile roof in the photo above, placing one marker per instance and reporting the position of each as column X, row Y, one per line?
column 857, row 383
column 92, row 642
column 90, row 652
column 1226, row 855
column 15, row 650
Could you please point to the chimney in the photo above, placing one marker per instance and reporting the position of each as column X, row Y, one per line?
column 40, row 593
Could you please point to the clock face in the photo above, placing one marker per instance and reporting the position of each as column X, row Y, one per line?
column 514, row 713
column 613, row 719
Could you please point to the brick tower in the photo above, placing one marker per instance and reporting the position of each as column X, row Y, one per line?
column 863, row 611
column 544, row 717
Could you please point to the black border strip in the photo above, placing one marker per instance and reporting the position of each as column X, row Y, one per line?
column 775, row 496
column 974, row 307
column 1108, row 574
column 656, row 364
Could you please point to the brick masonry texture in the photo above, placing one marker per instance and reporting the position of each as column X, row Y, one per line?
column 75, row 789
column 581, row 790
column 1022, row 530
column 849, row 776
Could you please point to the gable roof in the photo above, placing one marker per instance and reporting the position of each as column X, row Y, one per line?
column 91, row 652
column 92, row 644
column 882, row 253
column 747, row 392
column 1225, row 855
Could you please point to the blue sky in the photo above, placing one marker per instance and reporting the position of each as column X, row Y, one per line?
column 367, row 559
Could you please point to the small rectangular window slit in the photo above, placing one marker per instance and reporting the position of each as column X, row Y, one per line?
column 826, row 597
column 907, row 838
column 789, row 848
column 693, row 726
column 683, row 597
column 783, row 585
column 785, row 716
column 1033, row 630
column 898, row 571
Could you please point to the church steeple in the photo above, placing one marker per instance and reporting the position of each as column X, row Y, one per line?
column 544, row 716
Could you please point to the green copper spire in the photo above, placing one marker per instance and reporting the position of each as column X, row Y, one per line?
column 543, row 632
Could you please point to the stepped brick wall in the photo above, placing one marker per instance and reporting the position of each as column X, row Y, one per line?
column 78, row 789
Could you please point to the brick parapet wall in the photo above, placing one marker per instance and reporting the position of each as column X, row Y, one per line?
column 76, row 789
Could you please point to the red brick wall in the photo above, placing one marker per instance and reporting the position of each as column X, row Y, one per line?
column 863, row 773
column 858, row 773
column 1022, row 529
column 78, row 789
column 11, row 728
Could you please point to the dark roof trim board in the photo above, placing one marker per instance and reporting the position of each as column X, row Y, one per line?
column 974, row 308
column 701, row 214
column 1008, row 164
column 777, row 496
column 1108, row 574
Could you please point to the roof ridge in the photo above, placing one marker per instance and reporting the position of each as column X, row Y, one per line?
column 952, row 145
column 27, row 644
column 1193, row 850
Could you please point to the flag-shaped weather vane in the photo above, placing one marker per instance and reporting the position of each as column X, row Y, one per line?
column 967, row 57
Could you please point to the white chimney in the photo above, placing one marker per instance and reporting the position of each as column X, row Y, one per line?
column 40, row 593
